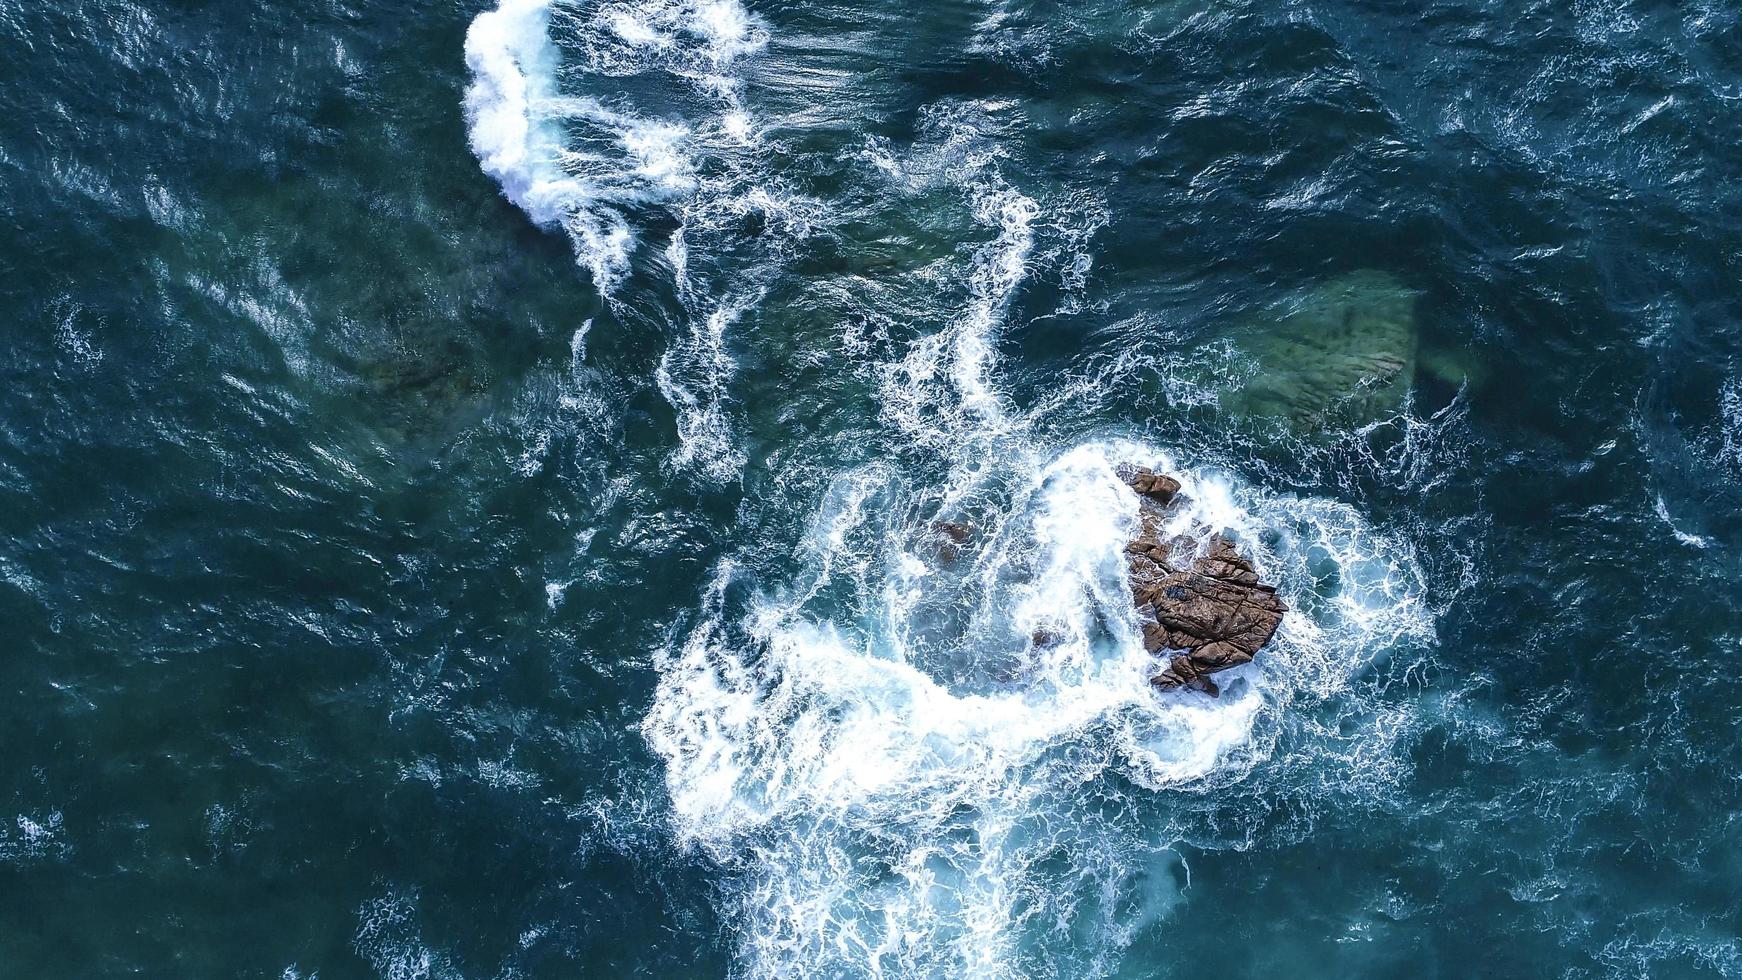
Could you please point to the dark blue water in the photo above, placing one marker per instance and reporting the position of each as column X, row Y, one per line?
column 466, row 480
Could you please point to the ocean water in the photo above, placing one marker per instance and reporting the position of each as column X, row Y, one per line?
column 468, row 474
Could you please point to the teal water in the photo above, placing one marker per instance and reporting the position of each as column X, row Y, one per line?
column 467, row 474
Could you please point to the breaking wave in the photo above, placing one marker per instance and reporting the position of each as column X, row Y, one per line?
column 574, row 162
column 571, row 109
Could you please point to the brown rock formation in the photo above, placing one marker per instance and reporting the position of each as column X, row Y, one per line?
column 1200, row 597
column 1152, row 485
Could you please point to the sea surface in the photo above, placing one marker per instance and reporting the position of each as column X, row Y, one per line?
column 469, row 476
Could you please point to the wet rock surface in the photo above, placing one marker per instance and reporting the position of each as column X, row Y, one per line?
column 1152, row 485
column 1197, row 595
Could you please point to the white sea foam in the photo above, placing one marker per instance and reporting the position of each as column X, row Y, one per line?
column 513, row 64
column 1729, row 447
column 900, row 781
column 1691, row 540
column 891, row 815
column 691, row 376
column 584, row 155
column 944, row 387
column 34, row 837
column 389, row 938
column 73, row 335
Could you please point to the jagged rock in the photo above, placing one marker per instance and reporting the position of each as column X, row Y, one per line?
column 1182, row 672
column 1041, row 639
column 1151, row 484
column 1199, row 597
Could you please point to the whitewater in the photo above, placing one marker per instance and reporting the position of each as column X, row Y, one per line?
column 552, row 488
column 896, row 780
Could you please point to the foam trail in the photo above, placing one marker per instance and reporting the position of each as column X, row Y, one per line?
column 705, row 437
column 1691, row 540
column 998, row 271
column 963, row 354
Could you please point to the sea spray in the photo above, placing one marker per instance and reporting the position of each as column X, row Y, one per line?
column 512, row 63
column 515, row 113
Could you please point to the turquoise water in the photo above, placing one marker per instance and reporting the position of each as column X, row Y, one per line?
column 468, row 475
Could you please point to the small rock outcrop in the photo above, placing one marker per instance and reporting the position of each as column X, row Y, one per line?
column 1197, row 596
column 1153, row 485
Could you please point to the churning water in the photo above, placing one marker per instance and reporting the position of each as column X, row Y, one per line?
column 474, row 478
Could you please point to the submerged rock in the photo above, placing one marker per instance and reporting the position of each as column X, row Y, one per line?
column 956, row 531
column 1344, row 353
column 950, row 537
column 1197, row 596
